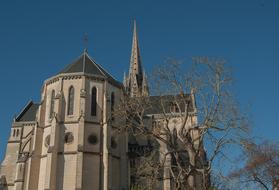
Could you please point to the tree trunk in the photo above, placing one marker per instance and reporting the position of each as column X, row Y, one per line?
column 191, row 177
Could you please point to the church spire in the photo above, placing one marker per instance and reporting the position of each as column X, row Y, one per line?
column 135, row 61
column 135, row 78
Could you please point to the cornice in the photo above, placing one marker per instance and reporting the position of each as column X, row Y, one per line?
column 23, row 123
column 79, row 75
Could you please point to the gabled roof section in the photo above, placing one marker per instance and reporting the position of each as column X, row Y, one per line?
column 163, row 104
column 28, row 113
column 85, row 64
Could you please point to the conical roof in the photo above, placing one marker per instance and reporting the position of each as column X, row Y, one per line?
column 135, row 61
column 85, row 64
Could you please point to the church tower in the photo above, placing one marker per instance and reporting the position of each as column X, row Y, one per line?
column 71, row 139
column 135, row 83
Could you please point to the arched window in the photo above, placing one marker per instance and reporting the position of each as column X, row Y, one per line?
column 52, row 99
column 14, row 132
column 17, row 132
column 94, row 102
column 112, row 105
column 71, row 98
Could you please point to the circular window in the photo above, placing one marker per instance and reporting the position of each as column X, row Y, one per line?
column 69, row 137
column 113, row 143
column 47, row 141
column 92, row 139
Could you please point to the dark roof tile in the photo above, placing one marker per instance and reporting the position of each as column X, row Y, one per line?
column 85, row 64
column 161, row 104
column 28, row 113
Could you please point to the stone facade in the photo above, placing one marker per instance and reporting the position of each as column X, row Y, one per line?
column 51, row 148
column 69, row 140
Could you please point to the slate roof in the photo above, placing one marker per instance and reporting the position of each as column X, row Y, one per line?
column 28, row 113
column 159, row 103
column 85, row 64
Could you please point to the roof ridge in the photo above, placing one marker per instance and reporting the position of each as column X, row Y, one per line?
column 87, row 65
column 100, row 67
column 25, row 108
column 71, row 64
column 94, row 62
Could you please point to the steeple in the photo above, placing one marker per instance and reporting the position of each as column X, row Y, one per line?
column 134, row 81
column 135, row 61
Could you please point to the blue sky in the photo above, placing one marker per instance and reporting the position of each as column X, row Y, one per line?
column 39, row 38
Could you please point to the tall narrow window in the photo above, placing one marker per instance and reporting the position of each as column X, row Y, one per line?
column 71, row 97
column 112, row 106
column 52, row 99
column 173, row 107
column 94, row 102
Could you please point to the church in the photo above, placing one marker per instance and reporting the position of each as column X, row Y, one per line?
column 64, row 142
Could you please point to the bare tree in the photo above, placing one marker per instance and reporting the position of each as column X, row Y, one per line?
column 262, row 165
column 189, row 122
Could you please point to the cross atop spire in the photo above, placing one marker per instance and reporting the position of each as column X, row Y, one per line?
column 134, row 81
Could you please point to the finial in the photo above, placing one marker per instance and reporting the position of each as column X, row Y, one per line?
column 124, row 74
column 85, row 42
column 135, row 22
column 135, row 26
column 124, row 79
